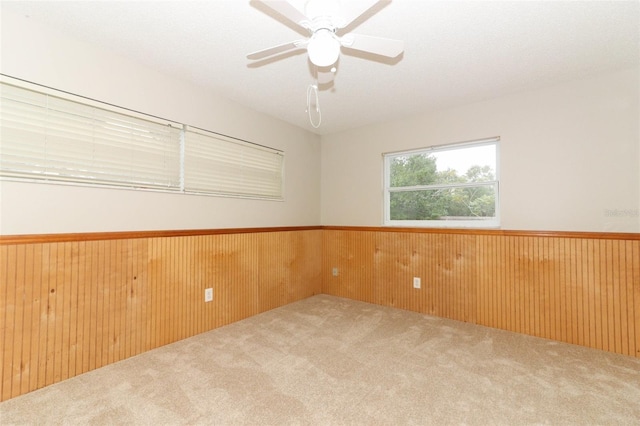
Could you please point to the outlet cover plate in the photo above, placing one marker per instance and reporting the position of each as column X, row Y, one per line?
column 208, row 294
column 416, row 282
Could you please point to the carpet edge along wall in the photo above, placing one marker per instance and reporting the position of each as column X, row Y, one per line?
column 73, row 303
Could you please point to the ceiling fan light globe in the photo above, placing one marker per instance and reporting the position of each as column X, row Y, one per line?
column 323, row 48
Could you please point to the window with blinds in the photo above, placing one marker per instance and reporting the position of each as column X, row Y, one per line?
column 51, row 136
column 216, row 164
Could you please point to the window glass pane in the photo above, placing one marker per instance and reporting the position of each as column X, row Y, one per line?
column 462, row 203
column 451, row 166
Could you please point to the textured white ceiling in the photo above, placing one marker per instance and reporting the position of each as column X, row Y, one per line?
column 456, row 52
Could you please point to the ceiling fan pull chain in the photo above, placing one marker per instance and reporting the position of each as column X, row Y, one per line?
column 313, row 90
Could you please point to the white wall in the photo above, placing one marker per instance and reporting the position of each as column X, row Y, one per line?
column 36, row 53
column 569, row 155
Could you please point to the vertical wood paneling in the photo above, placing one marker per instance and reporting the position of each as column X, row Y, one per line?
column 635, row 271
column 40, row 265
column 19, row 329
column 38, row 296
column 379, row 267
column 595, row 319
column 602, row 306
column 355, row 255
column 96, row 296
column 537, row 292
column 79, row 310
column 70, row 307
column 63, row 347
column 288, row 269
column 27, row 312
column 10, row 324
column 4, row 311
column 633, row 281
column 584, row 291
column 54, row 319
column 581, row 320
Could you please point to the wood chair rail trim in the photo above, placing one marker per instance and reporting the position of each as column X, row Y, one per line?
column 100, row 236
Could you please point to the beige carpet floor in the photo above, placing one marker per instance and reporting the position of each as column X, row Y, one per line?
column 331, row 361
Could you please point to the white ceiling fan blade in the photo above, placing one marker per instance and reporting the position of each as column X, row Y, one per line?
column 270, row 51
column 376, row 45
column 356, row 10
column 286, row 9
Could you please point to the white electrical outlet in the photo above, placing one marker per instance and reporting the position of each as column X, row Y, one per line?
column 334, row 272
column 416, row 282
column 208, row 294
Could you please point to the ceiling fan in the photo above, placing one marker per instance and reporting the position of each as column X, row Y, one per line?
column 325, row 20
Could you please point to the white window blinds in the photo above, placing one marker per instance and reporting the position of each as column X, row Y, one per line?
column 52, row 136
column 46, row 137
column 219, row 165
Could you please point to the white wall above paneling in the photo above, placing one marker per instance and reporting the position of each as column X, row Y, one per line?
column 569, row 156
column 39, row 54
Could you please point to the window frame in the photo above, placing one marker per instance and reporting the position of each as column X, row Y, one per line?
column 440, row 223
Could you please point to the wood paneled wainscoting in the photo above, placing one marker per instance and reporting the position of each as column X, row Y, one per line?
column 580, row 288
column 73, row 303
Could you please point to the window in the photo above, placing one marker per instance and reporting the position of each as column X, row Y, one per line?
column 445, row 186
column 45, row 137
column 216, row 164
column 52, row 136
